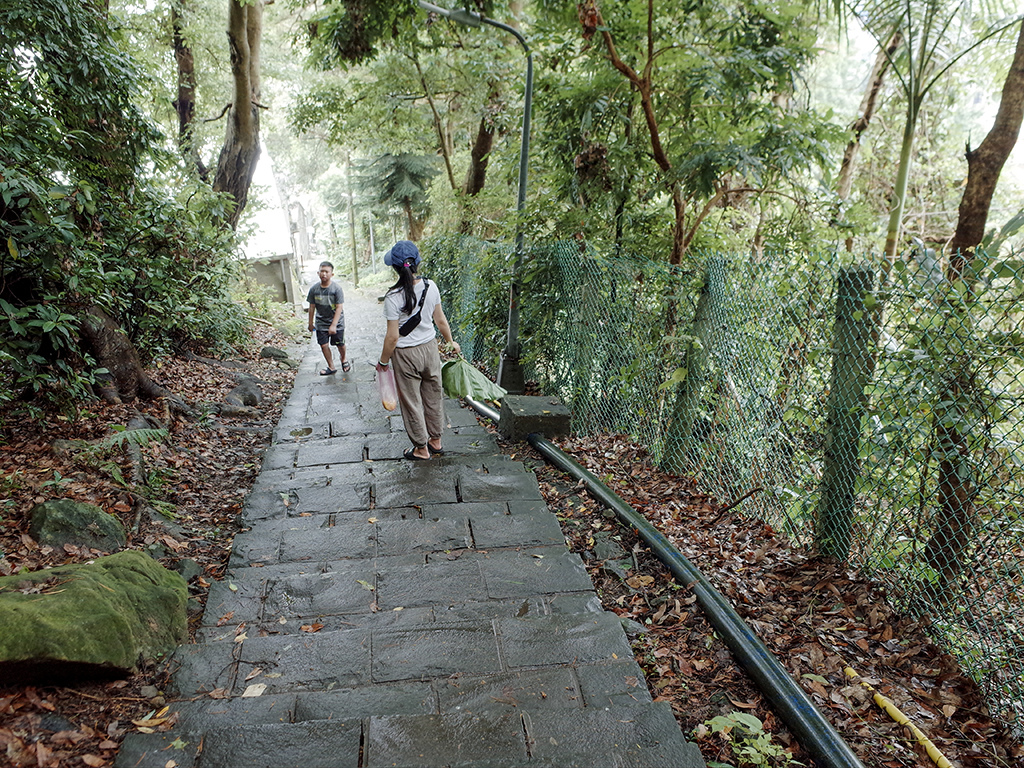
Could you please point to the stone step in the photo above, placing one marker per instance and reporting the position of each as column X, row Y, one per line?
column 395, row 650
column 641, row 736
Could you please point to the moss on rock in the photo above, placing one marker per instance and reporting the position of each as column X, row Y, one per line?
column 100, row 618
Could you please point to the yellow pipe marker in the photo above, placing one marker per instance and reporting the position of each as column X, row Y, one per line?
column 893, row 711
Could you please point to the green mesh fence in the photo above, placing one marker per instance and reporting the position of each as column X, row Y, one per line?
column 876, row 420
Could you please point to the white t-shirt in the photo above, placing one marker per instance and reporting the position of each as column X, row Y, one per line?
column 423, row 332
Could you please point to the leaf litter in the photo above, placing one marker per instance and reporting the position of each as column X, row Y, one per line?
column 200, row 474
column 817, row 617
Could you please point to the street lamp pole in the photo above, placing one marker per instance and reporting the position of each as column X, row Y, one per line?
column 510, row 369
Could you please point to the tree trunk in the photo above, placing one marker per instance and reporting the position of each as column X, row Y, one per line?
column 113, row 350
column 956, row 516
column 866, row 113
column 984, row 165
column 478, row 157
column 416, row 226
column 592, row 21
column 241, row 149
column 185, row 103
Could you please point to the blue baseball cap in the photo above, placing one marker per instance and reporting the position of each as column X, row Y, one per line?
column 404, row 253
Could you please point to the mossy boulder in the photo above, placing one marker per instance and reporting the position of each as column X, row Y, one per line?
column 98, row 619
column 63, row 521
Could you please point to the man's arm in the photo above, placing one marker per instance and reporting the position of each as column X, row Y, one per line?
column 312, row 312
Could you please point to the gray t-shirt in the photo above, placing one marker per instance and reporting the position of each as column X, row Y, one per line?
column 326, row 300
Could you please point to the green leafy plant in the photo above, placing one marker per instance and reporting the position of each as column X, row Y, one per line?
column 750, row 743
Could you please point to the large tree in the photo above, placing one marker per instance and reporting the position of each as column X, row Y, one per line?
column 955, row 519
column 709, row 88
column 938, row 35
column 99, row 254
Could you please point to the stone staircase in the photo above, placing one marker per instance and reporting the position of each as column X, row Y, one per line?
column 384, row 612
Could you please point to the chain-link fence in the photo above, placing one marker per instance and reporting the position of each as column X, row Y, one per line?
column 879, row 420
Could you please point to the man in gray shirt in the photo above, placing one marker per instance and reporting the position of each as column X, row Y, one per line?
column 327, row 317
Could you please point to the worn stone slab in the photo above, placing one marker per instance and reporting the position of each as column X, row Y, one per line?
column 500, row 464
column 437, row 583
column 465, row 509
column 206, row 713
column 317, row 661
column 488, row 610
column 367, row 618
column 296, row 433
column 478, row 486
column 332, row 499
column 579, row 602
column 260, row 547
column 416, row 698
column 532, row 572
column 522, row 530
column 543, row 605
column 330, row 407
column 645, row 737
column 359, row 426
column 203, row 668
column 468, row 443
column 279, row 457
column 435, row 650
column 312, row 744
column 340, row 450
column 527, row 506
column 398, row 536
column 354, row 540
column 618, row 684
column 321, row 594
column 414, row 483
column 534, row 690
column 155, row 750
column 457, row 416
column 564, row 639
column 233, row 601
column 383, row 447
column 446, row 741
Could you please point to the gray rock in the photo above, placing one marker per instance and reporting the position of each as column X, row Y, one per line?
column 246, row 393
column 63, row 521
column 273, row 353
column 189, row 569
column 605, row 548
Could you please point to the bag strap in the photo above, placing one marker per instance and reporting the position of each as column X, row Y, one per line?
column 423, row 296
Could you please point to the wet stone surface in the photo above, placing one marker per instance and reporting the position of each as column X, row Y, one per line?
column 384, row 612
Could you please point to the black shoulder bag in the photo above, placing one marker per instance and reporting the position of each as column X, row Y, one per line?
column 407, row 327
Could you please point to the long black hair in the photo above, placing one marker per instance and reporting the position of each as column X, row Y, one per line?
column 405, row 282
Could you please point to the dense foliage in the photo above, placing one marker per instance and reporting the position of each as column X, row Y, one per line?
column 92, row 214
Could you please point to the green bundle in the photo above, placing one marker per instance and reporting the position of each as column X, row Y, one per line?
column 461, row 379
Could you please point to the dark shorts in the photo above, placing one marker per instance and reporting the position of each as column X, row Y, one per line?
column 338, row 339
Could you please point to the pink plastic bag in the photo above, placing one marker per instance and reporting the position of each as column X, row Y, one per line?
column 387, row 387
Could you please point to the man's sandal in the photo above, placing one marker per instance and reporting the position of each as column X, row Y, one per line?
column 328, row 371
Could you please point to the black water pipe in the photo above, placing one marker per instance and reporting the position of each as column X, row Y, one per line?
column 789, row 700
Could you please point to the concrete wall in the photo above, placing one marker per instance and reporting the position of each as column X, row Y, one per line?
column 278, row 274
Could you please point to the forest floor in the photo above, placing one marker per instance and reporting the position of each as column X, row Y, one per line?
column 816, row 617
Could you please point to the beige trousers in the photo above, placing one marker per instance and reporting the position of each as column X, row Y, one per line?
column 418, row 375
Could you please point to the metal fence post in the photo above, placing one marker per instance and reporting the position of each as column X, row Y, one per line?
column 851, row 371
